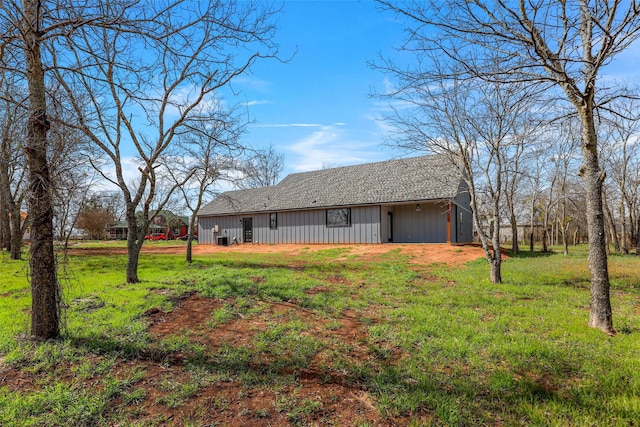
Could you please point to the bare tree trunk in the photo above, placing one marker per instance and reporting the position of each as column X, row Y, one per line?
column 496, row 259
column 545, row 225
column 532, row 214
column 192, row 224
column 624, row 240
column 10, row 225
column 545, row 234
column 531, row 248
column 16, row 233
column 134, row 245
column 632, row 237
column 45, row 294
column 564, row 227
column 496, row 274
column 5, row 190
column 5, row 228
column 515, row 248
column 612, row 225
column 133, row 257
column 189, row 255
column 600, row 315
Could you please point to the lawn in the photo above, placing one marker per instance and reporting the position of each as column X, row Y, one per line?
column 322, row 337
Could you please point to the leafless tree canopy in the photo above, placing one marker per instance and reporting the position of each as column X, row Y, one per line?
column 133, row 74
column 207, row 154
column 145, row 79
column 562, row 47
column 13, row 118
column 262, row 168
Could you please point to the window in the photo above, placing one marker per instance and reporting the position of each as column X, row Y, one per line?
column 339, row 217
column 273, row 220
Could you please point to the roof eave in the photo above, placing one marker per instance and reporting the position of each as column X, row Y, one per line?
column 310, row 208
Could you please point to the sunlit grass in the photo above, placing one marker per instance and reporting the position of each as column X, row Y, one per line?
column 442, row 343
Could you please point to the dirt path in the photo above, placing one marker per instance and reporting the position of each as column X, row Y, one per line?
column 315, row 393
column 419, row 253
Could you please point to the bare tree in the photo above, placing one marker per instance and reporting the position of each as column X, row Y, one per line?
column 207, row 153
column 563, row 45
column 563, row 161
column 621, row 151
column 71, row 172
column 12, row 170
column 262, row 169
column 29, row 28
column 25, row 30
column 478, row 126
column 186, row 51
column 93, row 218
column 146, row 78
column 111, row 202
column 533, row 188
column 516, row 161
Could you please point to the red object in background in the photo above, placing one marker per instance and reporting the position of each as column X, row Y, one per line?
column 156, row 236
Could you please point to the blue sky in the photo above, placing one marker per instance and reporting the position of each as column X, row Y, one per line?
column 317, row 108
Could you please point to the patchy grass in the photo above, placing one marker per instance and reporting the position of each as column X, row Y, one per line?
column 323, row 337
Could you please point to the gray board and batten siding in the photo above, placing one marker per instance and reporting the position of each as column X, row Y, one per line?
column 306, row 227
column 416, row 200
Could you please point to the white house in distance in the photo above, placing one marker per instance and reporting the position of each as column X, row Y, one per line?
column 415, row 200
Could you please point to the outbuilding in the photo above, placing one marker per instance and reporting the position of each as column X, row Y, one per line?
column 412, row 200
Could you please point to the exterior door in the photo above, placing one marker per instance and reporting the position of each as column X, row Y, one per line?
column 247, row 230
column 389, row 227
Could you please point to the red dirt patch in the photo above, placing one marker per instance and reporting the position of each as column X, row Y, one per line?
column 317, row 290
column 419, row 253
column 314, row 397
column 15, row 379
column 320, row 392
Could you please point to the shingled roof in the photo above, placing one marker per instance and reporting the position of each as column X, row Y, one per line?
column 391, row 181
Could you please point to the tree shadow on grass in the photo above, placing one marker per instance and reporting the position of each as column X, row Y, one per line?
column 529, row 254
column 447, row 392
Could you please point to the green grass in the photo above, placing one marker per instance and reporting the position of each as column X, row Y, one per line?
column 442, row 345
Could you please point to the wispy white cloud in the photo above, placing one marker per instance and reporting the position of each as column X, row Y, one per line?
column 392, row 105
column 289, row 125
column 383, row 126
column 257, row 102
column 389, row 86
column 253, row 83
column 330, row 146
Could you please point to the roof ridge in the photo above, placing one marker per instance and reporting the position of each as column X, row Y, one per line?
column 397, row 159
column 389, row 181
